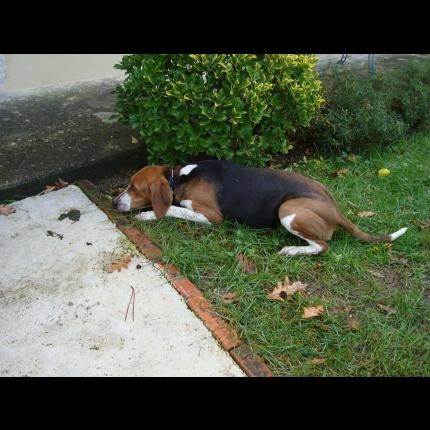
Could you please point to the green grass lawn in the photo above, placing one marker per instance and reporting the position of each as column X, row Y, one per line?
column 350, row 281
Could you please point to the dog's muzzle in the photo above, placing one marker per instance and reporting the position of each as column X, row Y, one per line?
column 122, row 202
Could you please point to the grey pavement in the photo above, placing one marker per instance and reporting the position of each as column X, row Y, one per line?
column 62, row 131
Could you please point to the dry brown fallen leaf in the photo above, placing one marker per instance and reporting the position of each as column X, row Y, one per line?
column 48, row 189
column 316, row 361
column 119, row 264
column 422, row 224
column 353, row 322
column 57, row 186
column 387, row 309
column 60, row 184
column 286, row 290
column 351, row 157
column 6, row 210
column 229, row 297
column 365, row 214
column 340, row 173
column 245, row 264
column 313, row 311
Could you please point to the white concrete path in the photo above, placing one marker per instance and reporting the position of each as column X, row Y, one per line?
column 62, row 314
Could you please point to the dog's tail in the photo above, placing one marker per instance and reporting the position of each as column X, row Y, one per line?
column 355, row 231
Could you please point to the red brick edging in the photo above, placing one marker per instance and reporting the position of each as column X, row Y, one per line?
column 250, row 363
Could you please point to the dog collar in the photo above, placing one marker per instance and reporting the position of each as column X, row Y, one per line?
column 171, row 178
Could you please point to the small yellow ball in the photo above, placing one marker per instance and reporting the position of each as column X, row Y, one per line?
column 383, row 173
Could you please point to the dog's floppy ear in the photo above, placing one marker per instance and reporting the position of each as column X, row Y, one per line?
column 162, row 197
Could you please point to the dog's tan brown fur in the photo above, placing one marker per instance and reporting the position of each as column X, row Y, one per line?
column 204, row 199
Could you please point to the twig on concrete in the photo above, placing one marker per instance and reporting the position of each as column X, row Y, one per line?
column 132, row 297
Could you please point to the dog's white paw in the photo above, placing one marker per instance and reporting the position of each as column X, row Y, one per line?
column 300, row 250
column 146, row 216
column 289, row 250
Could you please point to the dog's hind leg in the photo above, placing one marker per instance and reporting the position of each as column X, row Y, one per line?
column 306, row 224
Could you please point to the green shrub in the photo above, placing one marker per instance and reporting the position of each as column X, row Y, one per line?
column 355, row 115
column 239, row 106
column 361, row 111
column 409, row 90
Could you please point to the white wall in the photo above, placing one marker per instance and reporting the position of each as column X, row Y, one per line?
column 23, row 71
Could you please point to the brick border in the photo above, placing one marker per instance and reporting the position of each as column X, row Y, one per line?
column 250, row 363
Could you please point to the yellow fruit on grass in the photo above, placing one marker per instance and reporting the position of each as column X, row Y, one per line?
column 383, row 172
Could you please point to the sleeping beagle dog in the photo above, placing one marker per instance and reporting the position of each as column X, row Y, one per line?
column 209, row 191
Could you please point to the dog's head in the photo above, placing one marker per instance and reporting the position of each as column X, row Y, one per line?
column 148, row 187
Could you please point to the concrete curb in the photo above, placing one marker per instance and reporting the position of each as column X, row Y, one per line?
column 131, row 159
column 250, row 363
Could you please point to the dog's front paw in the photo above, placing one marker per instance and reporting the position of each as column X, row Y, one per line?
column 146, row 216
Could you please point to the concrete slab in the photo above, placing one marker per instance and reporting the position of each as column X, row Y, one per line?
column 62, row 314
